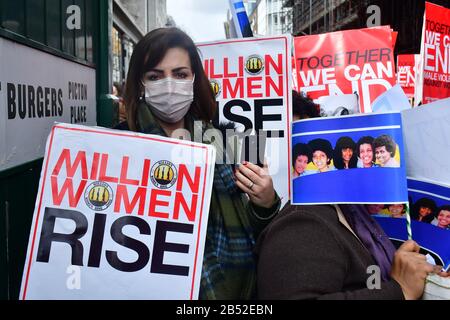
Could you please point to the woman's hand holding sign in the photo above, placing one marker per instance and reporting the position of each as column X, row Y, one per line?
column 257, row 183
column 410, row 270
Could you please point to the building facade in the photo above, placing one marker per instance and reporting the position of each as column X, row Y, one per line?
column 319, row 16
column 157, row 14
column 271, row 17
column 132, row 19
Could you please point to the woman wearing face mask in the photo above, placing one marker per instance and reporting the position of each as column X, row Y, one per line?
column 167, row 90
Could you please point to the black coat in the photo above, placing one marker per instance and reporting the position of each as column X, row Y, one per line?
column 307, row 253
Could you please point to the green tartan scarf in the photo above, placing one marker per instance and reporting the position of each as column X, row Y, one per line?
column 228, row 265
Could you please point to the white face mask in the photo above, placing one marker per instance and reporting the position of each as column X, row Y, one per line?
column 169, row 99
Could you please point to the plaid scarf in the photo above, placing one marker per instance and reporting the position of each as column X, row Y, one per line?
column 228, row 265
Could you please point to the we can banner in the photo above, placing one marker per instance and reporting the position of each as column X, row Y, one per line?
column 349, row 159
column 407, row 65
column 118, row 215
column 346, row 62
column 435, row 53
column 252, row 81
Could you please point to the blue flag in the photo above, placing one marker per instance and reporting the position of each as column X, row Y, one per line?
column 240, row 19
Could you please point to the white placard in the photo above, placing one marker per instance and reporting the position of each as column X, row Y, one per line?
column 252, row 80
column 119, row 215
column 426, row 132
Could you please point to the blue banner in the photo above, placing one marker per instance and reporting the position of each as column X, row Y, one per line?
column 354, row 159
column 430, row 214
column 433, row 241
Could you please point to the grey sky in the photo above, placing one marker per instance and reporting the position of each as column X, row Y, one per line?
column 201, row 19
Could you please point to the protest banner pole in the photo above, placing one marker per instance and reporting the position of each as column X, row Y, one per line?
column 408, row 222
column 240, row 19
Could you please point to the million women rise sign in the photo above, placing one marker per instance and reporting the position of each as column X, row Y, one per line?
column 346, row 62
column 251, row 79
column 118, row 215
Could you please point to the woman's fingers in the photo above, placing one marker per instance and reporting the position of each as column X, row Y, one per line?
column 257, row 169
column 244, row 180
column 251, row 174
column 245, row 188
column 409, row 246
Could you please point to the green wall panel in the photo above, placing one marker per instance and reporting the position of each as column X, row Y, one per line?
column 13, row 16
column 19, row 190
column 53, row 23
column 35, row 20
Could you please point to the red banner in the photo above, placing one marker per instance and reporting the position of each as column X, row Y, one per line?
column 406, row 72
column 435, row 53
column 345, row 62
column 294, row 76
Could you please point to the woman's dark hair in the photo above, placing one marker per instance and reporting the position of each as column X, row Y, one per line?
column 341, row 144
column 365, row 140
column 322, row 145
column 119, row 88
column 304, row 107
column 423, row 203
column 444, row 207
column 148, row 53
column 301, row 149
column 385, row 141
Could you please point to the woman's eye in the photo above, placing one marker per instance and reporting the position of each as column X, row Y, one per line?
column 181, row 75
column 152, row 77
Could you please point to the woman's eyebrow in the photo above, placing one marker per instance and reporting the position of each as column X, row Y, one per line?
column 173, row 70
column 180, row 69
column 155, row 70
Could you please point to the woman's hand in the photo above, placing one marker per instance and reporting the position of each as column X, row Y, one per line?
column 257, row 183
column 439, row 272
column 410, row 270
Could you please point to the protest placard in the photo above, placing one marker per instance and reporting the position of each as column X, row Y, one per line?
column 392, row 100
column 407, row 65
column 350, row 159
column 294, row 76
column 430, row 220
column 252, row 82
column 118, row 215
column 346, row 62
column 426, row 132
column 434, row 83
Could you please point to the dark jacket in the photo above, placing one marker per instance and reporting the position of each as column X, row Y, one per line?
column 228, row 270
column 307, row 253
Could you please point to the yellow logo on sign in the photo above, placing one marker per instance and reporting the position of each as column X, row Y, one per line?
column 215, row 86
column 163, row 174
column 98, row 195
column 254, row 64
